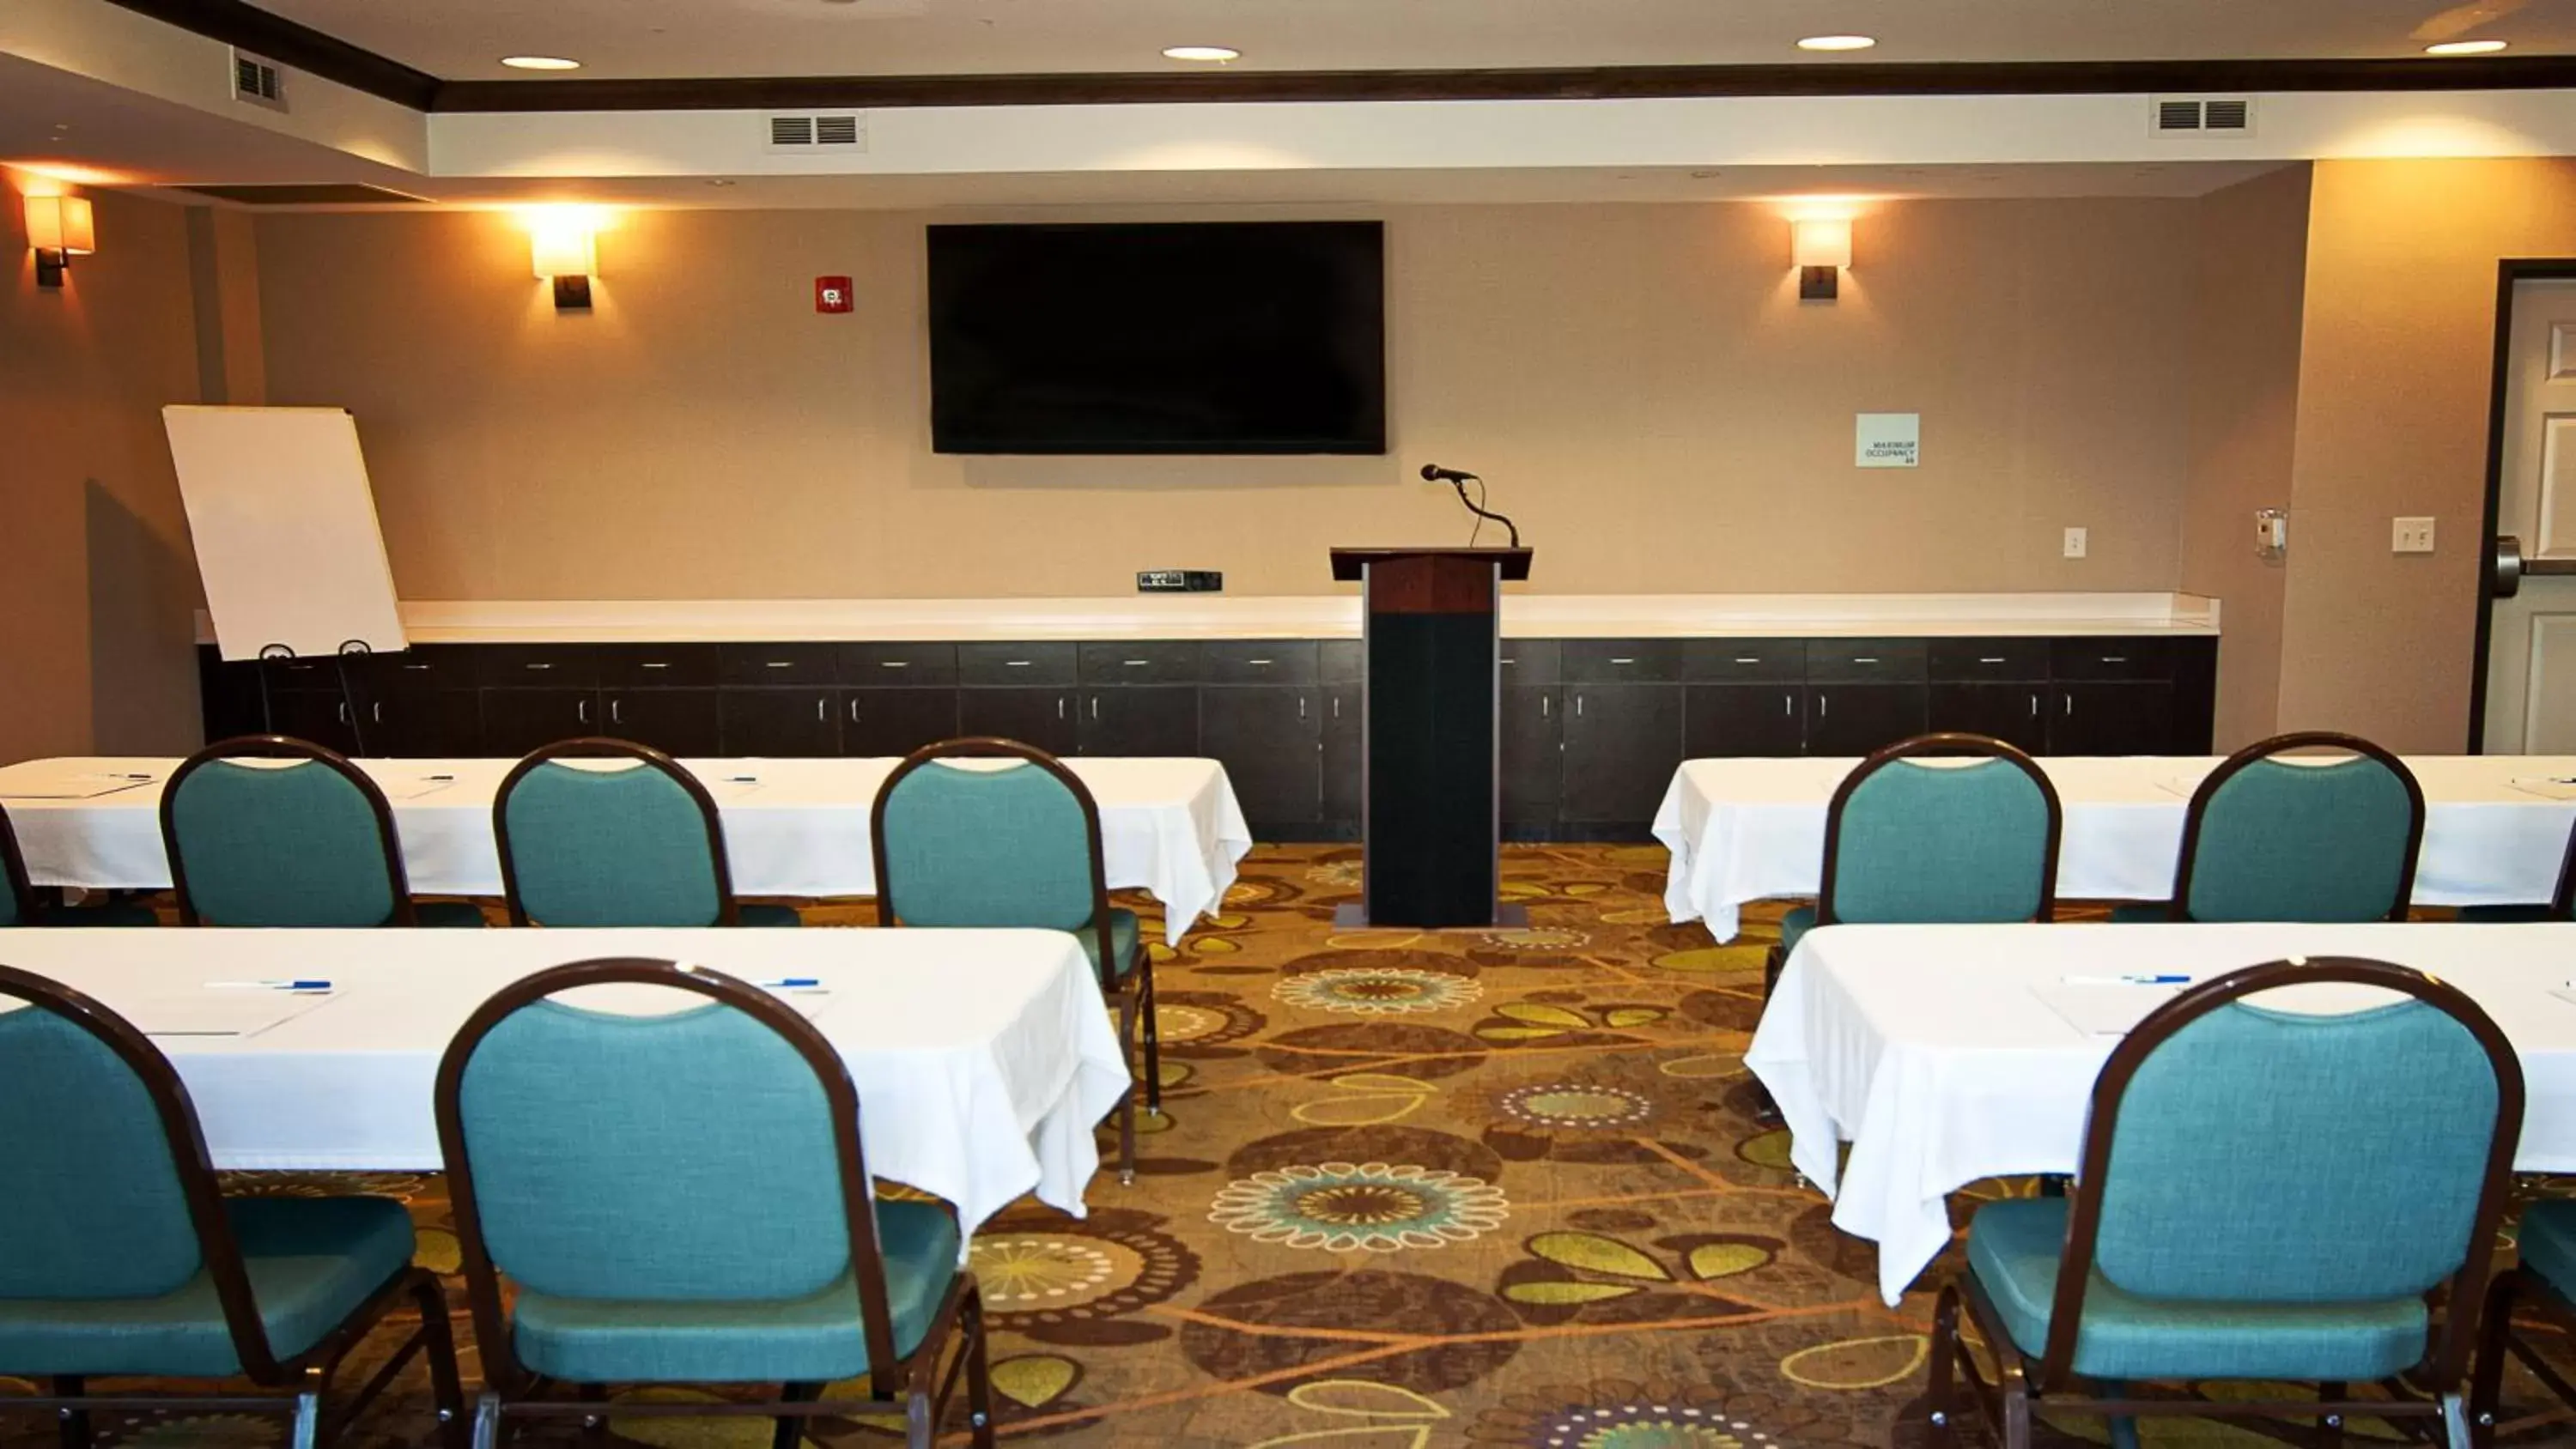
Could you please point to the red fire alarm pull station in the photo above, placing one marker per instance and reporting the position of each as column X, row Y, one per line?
column 831, row 294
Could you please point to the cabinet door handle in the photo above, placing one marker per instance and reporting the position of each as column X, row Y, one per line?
column 1748, row 658
column 581, row 710
column 854, row 709
column 1864, row 659
column 1824, row 705
column 778, row 664
column 2034, row 706
column 2115, row 658
column 1136, row 663
column 1623, row 661
column 343, row 708
column 1337, row 706
column 820, row 705
column 1017, row 663
column 1543, row 702
column 536, row 666
column 1788, row 704
column 2070, row 704
column 1578, row 704
column 1264, row 663
column 654, row 664
column 1990, row 659
column 894, row 664
column 617, row 711
column 378, row 709
column 1059, row 706
column 1301, row 706
column 1095, row 706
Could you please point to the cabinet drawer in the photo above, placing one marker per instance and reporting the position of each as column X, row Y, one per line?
column 2111, row 658
column 555, row 666
column 1621, row 661
column 422, row 668
column 1341, row 661
column 1743, row 661
column 1258, row 661
column 1863, row 660
column 1974, row 659
column 1022, row 664
column 871, row 665
column 657, row 666
column 1140, row 661
column 759, row 664
column 321, row 675
column 1532, row 661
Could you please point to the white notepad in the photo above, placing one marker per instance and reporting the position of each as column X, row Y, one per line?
column 218, row 1011
column 2103, row 1010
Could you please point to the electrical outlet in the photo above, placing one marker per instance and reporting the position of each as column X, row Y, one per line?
column 1179, row 581
column 2410, row 535
column 2075, row 543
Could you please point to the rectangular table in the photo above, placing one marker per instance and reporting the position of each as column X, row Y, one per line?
column 1750, row 830
column 1927, row 1049
column 792, row 827
column 983, row 1059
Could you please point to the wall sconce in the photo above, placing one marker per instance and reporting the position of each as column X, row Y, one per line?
column 1820, row 248
column 565, row 250
column 59, row 228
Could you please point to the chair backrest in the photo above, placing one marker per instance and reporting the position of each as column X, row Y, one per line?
column 106, row 1191
column 637, row 846
column 17, row 897
column 307, row 842
column 2243, row 1154
column 2268, row 840
column 1017, row 845
column 1922, row 843
column 710, row 1153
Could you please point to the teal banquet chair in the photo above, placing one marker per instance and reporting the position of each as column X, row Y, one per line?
column 635, row 846
column 683, row 1199
column 21, row 906
column 1912, row 843
column 2265, row 1196
column 2267, row 840
column 1015, row 846
column 119, row 1255
column 303, row 839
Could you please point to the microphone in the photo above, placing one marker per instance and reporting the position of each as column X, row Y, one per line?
column 1459, row 479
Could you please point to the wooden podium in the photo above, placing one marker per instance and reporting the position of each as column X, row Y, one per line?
column 1430, row 768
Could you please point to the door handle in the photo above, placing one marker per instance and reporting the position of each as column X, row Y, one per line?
column 1301, row 706
column 2034, row 706
column 343, row 708
column 1578, row 704
column 1059, row 706
column 1824, row 705
column 2070, row 703
column 617, row 711
column 378, row 710
column 1543, row 702
column 1095, row 706
column 820, row 706
column 1788, row 704
column 581, row 710
column 854, row 709
column 1337, row 706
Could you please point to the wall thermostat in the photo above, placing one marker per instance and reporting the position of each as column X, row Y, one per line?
column 832, row 294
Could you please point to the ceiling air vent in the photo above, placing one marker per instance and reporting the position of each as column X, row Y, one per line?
column 816, row 133
column 257, row 81
column 2201, row 115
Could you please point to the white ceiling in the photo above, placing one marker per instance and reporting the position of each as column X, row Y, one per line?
column 464, row 39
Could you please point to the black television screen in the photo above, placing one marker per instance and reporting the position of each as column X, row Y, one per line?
column 1232, row 337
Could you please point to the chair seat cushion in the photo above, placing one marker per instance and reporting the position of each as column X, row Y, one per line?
column 2013, row 1250
column 114, row 913
column 2141, row 913
column 2549, row 1245
column 768, row 917
column 813, row 1339
column 449, row 915
column 1123, row 932
column 312, row 1262
column 2504, row 915
column 1799, row 921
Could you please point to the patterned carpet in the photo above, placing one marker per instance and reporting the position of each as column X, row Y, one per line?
column 1493, row 1188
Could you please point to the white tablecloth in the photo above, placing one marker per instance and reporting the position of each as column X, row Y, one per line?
column 1751, row 830
column 1927, row 1049
column 982, row 1058
column 792, row 827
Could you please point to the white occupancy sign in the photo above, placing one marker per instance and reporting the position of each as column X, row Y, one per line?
column 1887, row 440
column 284, row 525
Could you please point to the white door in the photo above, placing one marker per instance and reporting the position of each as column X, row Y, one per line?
column 2531, row 643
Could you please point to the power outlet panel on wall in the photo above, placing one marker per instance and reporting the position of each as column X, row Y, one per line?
column 1179, row 581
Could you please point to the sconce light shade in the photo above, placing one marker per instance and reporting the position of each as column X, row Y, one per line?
column 59, row 228
column 566, row 252
column 1820, row 248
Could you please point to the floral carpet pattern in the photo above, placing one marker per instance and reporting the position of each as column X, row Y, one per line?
column 1507, row 1189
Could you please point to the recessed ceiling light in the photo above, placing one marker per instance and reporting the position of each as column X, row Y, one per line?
column 1218, row 53
column 539, row 62
column 2465, row 47
column 1838, row 42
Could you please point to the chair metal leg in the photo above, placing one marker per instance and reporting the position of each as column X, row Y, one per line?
column 1127, row 1108
column 918, row 1431
column 308, row 1419
column 438, row 1342
column 1153, row 1032
column 1937, row 1408
column 979, row 1373
column 72, row 1424
column 2330, row 1426
column 487, row 1421
column 2124, row 1427
column 2016, row 1425
column 2455, row 1421
column 791, row 1432
column 2495, row 1331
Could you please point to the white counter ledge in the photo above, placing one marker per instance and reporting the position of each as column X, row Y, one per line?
column 1320, row 616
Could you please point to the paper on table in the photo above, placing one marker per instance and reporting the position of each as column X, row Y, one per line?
column 414, row 789
column 90, row 788
column 2103, row 1010
column 217, row 1012
column 2546, row 787
column 2185, row 786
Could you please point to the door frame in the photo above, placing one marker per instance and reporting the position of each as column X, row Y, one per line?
column 2510, row 272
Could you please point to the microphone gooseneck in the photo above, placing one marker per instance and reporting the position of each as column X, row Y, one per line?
column 1459, row 479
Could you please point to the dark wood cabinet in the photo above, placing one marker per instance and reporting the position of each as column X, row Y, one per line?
column 1040, row 717
column 313, row 714
column 1745, row 719
column 782, row 723
column 2111, row 718
column 1533, row 758
column 1622, row 743
column 2014, row 713
column 1344, row 743
column 1271, row 742
column 1854, row 719
column 682, row 722
column 516, row 721
column 896, row 721
column 428, row 724
column 1144, row 720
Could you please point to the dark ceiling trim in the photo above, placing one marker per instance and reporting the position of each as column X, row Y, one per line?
column 755, row 93
column 273, row 37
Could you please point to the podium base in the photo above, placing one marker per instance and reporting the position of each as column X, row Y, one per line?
column 1353, row 916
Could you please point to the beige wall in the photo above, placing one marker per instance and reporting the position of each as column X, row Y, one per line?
column 99, row 587
column 2252, row 249
column 2395, row 367
column 1640, row 383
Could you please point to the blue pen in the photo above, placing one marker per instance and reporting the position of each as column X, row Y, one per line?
column 298, row 985
column 791, row 983
column 2162, row 979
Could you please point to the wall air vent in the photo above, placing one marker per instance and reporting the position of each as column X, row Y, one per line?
column 257, row 82
column 2201, row 116
column 797, row 134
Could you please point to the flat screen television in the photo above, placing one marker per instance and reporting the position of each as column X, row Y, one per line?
column 1227, row 337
